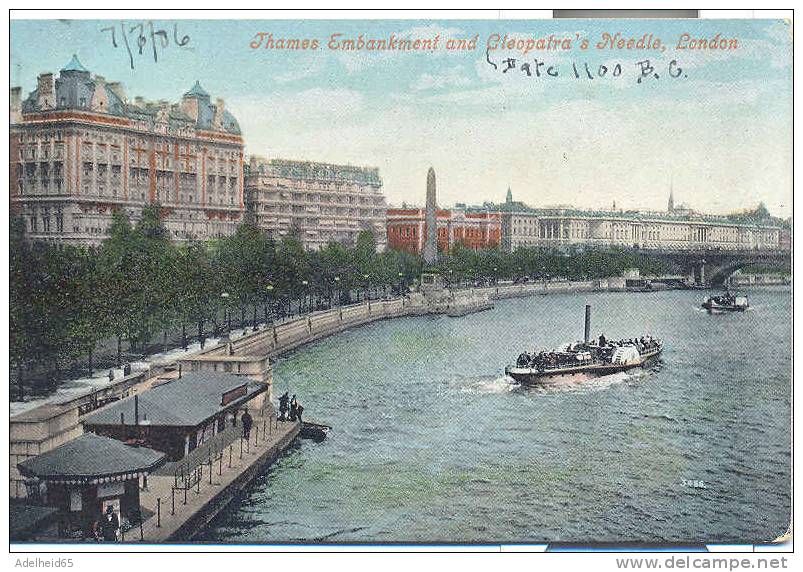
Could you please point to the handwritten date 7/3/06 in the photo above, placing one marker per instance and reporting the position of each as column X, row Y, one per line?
column 136, row 36
column 643, row 70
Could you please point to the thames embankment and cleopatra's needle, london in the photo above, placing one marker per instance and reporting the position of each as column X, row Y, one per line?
column 164, row 449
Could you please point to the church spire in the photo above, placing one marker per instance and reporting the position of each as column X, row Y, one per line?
column 509, row 197
column 671, row 204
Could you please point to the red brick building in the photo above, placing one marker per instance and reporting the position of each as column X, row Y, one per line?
column 406, row 229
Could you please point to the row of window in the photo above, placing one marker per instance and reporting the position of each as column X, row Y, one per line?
column 46, row 223
column 298, row 197
column 46, row 136
column 612, row 229
column 341, row 211
column 30, row 152
column 319, row 186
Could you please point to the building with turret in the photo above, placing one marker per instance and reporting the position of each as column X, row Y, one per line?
column 81, row 150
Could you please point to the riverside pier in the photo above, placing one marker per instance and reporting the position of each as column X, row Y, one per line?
column 183, row 506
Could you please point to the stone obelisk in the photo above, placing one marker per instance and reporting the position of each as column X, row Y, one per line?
column 431, row 244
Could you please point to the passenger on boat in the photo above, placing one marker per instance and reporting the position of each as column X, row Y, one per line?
column 602, row 341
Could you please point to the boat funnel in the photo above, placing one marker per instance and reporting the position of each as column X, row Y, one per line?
column 587, row 333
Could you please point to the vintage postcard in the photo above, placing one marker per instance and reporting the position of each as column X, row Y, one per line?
column 400, row 282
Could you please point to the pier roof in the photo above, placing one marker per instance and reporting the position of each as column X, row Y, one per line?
column 184, row 402
column 90, row 457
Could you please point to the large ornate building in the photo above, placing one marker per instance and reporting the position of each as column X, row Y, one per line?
column 81, row 150
column 319, row 202
column 679, row 228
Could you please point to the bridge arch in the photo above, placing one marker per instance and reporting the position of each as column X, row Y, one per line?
column 714, row 267
column 719, row 274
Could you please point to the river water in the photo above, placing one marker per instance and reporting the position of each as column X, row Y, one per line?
column 431, row 443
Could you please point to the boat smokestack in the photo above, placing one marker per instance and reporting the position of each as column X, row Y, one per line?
column 136, row 397
column 587, row 334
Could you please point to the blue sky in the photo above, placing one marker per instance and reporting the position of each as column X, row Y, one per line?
column 721, row 132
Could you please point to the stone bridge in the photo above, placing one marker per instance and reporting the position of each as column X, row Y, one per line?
column 713, row 267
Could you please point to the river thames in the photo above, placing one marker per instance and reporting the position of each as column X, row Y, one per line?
column 432, row 443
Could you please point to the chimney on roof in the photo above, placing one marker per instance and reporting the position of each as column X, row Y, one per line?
column 220, row 107
column 46, row 91
column 136, row 410
column 117, row 89
column 189, row 105
column 100, row 100
column 15, row 104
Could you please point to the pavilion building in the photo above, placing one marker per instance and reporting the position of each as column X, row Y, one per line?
column 82, row 477
column 180, row 415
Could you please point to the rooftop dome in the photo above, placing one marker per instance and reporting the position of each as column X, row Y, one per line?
column 74, row 65
column 196, row 91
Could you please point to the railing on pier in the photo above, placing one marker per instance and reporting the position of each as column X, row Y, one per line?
column 191, row 475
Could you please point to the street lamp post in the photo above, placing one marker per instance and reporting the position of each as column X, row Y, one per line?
column 226, row 314
column 337, row 290
column 305, row 284
column 401, row 284
column 268, row 295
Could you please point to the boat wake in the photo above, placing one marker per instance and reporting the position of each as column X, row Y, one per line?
column 718, row 312
column 590, row 385
column 484, row 384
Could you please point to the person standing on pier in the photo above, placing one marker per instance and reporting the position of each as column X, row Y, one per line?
column 110, row 525
column 293, row 408
column 299, row 411
column 247, row 422
column 283, row 406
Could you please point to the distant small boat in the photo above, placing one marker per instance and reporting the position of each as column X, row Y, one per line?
column 726, row 303
column 315, row 431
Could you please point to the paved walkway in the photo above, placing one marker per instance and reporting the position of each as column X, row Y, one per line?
column 203, row 500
